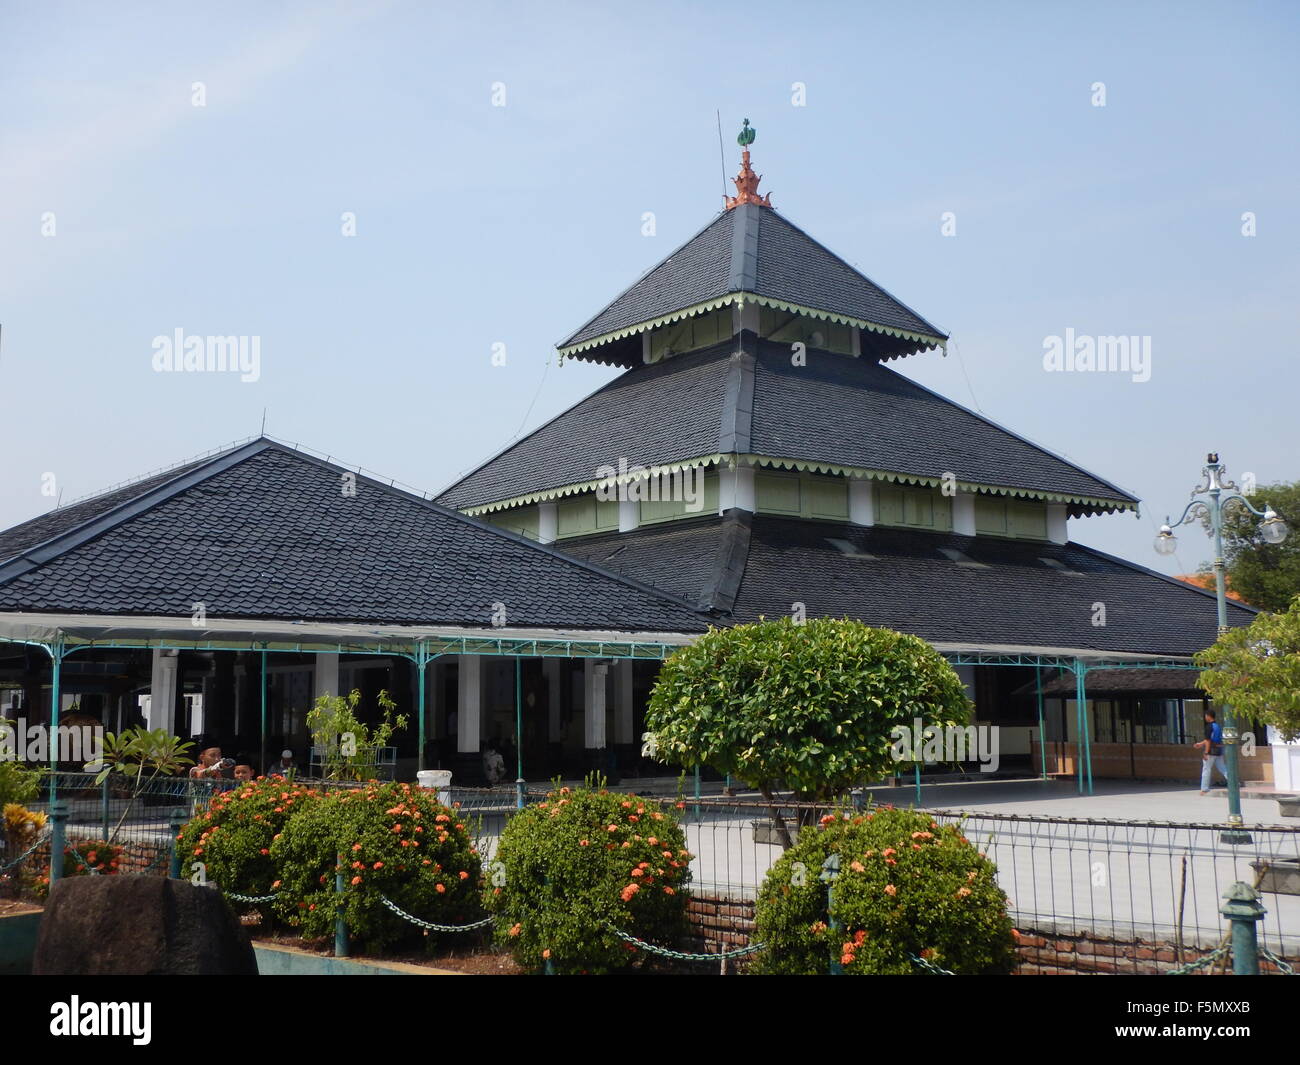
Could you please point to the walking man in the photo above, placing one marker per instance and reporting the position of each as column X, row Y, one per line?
column 1211, row 749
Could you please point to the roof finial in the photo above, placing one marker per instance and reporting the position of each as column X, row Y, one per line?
column 746, row 181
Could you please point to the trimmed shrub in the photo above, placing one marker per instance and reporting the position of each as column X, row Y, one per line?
column 906, row 887
column 398, row 842
column 811, row 707
column 233, row 837
column 569, row 868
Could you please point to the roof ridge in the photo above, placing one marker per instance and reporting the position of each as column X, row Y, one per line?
column 38, row 554
column 719, row 217
column 702, row 355
column 839, row 258
column 141, row 478
column 495, row 530
column 1011, row 432
column 730, row 561
column 1185, row 585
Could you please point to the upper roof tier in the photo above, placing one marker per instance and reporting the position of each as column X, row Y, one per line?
column 750, row 253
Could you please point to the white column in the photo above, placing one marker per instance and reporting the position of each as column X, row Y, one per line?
column 856, row 333
column 736, row 489
column 325, row 677
column 623, row 702
column 1058, row 530
column 162, row 690
column 629, row 515
column 469, row 710
column 963, row 514
column 593, row 703
column 551, row 670
column 548, row 523
column 862, row 502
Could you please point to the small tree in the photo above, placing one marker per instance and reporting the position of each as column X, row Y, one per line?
column 1255, row 670
column 348, row 745
column 1265, row 575
column 140, row 756
column 810, row 707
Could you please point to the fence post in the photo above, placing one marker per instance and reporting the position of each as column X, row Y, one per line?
column 519, row 793
column 1244, row 910
column 831, row 870
column 58, row 836
column 177, row 822
column 103, row 807
column 341, row 948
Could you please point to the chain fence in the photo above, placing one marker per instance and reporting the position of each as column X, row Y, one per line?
column 1130, row 895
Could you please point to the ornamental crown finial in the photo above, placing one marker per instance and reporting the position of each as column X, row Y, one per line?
column 746, row 181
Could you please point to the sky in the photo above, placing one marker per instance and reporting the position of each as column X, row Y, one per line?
column 1010, row 171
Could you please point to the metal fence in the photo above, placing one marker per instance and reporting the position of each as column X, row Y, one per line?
column 1134, row 882
column 1149, row 881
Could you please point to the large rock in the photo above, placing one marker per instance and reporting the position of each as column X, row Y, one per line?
column 140, row 925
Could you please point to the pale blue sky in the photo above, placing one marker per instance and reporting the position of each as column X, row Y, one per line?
column 479, row 224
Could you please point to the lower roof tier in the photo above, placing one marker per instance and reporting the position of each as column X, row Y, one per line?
column 948, row 589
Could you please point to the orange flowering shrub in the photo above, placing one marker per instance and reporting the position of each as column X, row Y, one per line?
column 398, row 842
column 232, row 838
column 906, row 886
column 83, row 858
column 569, row 868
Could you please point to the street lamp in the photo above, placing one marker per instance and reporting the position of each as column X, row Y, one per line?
column 1209, row 499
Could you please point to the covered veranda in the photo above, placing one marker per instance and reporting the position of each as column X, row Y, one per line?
column 468, row 679
column 551, row 701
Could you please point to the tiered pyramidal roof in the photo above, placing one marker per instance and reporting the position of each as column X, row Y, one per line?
column 841, row 486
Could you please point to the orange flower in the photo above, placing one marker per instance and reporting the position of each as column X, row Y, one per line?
column 515, row 929
column 356, row 847
column 857, row 867
column 356, row 880
column 612, row 828
column 546, row 953
column 583, row 842
column 638, row 872
column 379, row 865
column 669, row 891
column 439, row 889
column 464, row 875
column 890, row 890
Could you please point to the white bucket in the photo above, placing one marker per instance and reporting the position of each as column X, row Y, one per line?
column 436, row 779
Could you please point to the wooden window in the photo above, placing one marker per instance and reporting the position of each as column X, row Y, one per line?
column 801, row 495
column 999, row 516
column 584, row 515
column 915, row 508
column 674, row 509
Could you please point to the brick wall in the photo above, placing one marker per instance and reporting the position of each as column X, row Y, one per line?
column 723, row 924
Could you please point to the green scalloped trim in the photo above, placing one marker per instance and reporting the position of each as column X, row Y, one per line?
column 653, row 323
column 807, row 466
column 587, row 486
column 739, row 299
column 844, row 319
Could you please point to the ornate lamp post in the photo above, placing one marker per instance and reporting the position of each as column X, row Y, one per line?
column 1209, row 499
